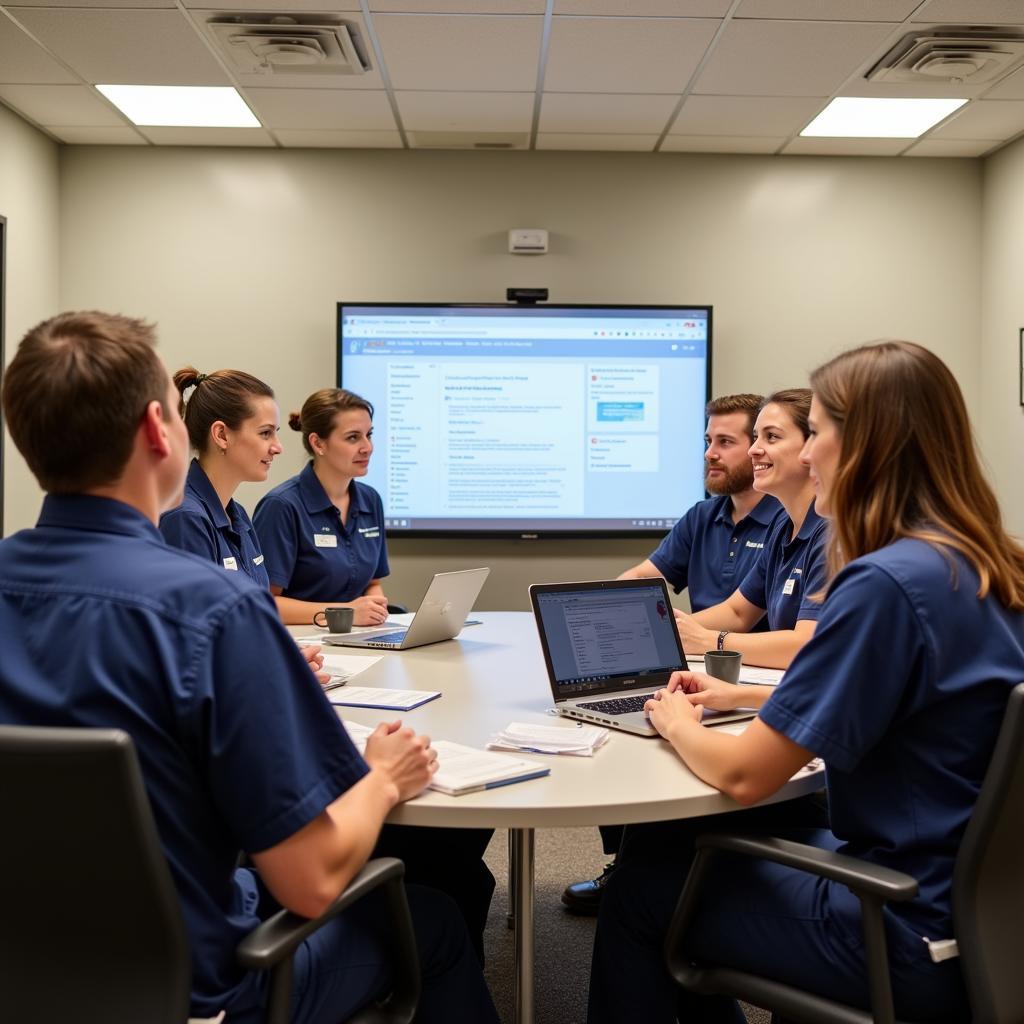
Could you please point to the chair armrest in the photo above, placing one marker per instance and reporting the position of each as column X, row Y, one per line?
column 859, row 875
column 280, row 935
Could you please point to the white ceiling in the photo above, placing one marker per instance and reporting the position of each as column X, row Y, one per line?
column 728, row 76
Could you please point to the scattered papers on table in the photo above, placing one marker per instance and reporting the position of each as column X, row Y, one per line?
column 467, row 770
column 581, row 741
column 344, row 667
column 375, row 697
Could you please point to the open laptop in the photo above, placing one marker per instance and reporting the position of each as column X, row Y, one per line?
column 608, row 646
column 440, row 616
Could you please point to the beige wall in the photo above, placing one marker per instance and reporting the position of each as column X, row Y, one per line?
column 240, row 256
column 29, row 199
column 1001, row 417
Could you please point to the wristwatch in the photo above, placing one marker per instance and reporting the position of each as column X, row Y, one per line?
column 721, row 639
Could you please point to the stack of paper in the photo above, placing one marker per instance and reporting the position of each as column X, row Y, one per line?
column 581, row 741
column 378, row 697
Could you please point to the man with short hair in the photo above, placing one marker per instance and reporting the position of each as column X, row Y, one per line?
column 708, row 552
column 104, row 625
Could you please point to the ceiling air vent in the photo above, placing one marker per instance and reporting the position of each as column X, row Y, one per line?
column 954, row 53
column 299, row 44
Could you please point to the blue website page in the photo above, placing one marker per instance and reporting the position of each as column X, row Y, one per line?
column 535, row 418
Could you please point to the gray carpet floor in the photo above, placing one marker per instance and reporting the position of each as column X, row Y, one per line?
column 563, row 942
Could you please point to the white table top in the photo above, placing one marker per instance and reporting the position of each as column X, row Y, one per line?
column 494, row 674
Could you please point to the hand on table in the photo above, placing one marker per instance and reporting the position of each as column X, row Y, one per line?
column 370, row 610
column 407, row 760
column 315, row 660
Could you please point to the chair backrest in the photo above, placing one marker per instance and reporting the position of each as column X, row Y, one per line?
column 90, row 926
column 988, row 882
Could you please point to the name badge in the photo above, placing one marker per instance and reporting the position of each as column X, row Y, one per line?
column 258, row 560
column 787, row 587
column 231, row 563
column 370, row 532
column 325, row 540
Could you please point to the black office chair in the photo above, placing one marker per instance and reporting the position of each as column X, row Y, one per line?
column 988, row 905
column 394, row 608
column 90, row 926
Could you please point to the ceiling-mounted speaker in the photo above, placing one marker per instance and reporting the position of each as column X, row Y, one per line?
column 954, row 53
column 293, row 44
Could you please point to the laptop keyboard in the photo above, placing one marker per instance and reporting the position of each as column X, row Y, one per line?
column 387, row 639
column 618, row 706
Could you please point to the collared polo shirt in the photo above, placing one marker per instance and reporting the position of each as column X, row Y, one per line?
column 902, row 690
column 105, row 625
column 201, row 525
column 310, row 553
column 710, row 554
column 789, row 571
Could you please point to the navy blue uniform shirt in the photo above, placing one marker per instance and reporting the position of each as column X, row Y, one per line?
column 201, row 525
column 710, row 554
column 104, row 625
column 309, row 552
column 902, row 691
column 789, row 572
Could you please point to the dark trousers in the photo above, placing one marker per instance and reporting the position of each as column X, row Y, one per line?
column 755, row 916
column 449, row 859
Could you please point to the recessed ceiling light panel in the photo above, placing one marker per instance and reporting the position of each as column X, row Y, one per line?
column 181, row 106
column 861, row 117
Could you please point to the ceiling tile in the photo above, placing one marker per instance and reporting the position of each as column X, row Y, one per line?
column 70, row 105
column 279, row 6
column 592, row 141
column 459, row 6
column 788, row 58
column 847, row 147
column 984, row 119
column 645, row 8
column 321, row 109
column 208, row 136
column 22, row 60
column 164, row 4
column 98, row 136
column 719, row 144
column 642, row 55
column 1010, row 88
column 466, row 111
column 469, row 140
column 745, row 115
column 605, row 114
column 460, row 52
column 338, row 140
column 952, row 147
column 828, row 10
column 972, row 12
column 126, row 47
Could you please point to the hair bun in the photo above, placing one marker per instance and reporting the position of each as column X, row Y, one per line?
column 295, row 421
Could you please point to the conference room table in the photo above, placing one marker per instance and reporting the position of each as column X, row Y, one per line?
column 491, row 675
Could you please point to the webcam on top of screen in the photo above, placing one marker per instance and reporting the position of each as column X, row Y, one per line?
column 526, row 296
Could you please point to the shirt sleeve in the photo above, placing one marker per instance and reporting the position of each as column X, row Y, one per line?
column 672, row 556
column 754, row 586
column 277, row 527
column 189, row 532
column 814, row 574
column 846, row 684
column 274, row 752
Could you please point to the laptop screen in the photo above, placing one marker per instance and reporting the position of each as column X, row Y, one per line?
column 603, row 636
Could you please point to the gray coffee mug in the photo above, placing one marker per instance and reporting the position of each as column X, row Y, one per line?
column 724, row 665
column 337, row 620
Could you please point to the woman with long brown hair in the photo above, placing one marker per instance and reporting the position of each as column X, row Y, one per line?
column 901, row 691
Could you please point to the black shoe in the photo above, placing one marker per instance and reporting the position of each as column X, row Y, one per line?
column 585, row 897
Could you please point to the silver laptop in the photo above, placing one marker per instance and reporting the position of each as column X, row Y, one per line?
column 441, row 615
column 607, row 647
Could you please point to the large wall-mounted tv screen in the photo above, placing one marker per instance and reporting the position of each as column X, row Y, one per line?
column 530, row 420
